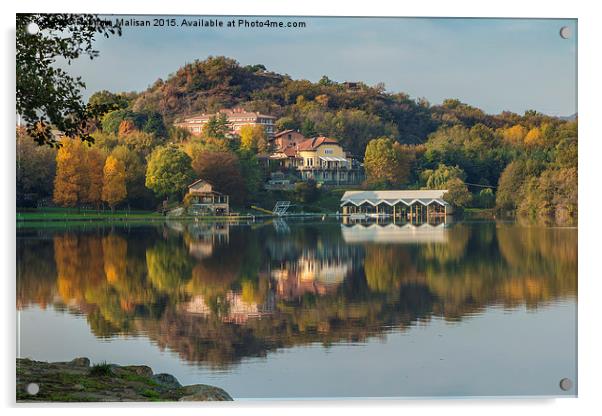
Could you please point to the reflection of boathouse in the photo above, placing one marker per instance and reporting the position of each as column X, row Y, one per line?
column 396, row 234
column 203, row 237
column 410, row 205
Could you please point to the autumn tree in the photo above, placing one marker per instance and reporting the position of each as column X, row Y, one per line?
column 387, row 163
column 515, row 134
column 168, row 172
column 94, row 163
column 113, row 189
column 253, row 138
column 70, row 181
column 222, row 169
column 534, row 137
column 135, row 173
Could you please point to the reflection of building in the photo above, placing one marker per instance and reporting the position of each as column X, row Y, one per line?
column 391, row 233
column 205, row 236
column 238, row 311
column 204, row 200
column 237, row 118
column 310, row 275
column 413, row 204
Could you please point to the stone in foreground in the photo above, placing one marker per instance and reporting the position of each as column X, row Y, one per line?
column 77, row 381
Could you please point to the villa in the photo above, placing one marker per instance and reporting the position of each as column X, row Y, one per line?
column 237, row 117
column 322, row 159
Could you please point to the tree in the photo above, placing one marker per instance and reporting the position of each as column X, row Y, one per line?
column 388, row 163
column 457, row 193
column 251, row 172
column 217, row 127
column 36, row 168
column 534, row 137
column 48, row 96
column 222, row 170
column 70, row 180
column 109, row 99
column 168, row 172
column 94, row 162
column 113, row 188
column 141, row 142
column 485, row 198
column 135, row 172
column 438, row 178
column 307, row 191
column 253, row 138
column 515, row 134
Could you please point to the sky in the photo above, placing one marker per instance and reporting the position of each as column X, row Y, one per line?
column 494, row 64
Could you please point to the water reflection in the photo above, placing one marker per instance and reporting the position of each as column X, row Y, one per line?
column 216, row 293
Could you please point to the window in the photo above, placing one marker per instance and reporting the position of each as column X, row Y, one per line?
column 328, row 151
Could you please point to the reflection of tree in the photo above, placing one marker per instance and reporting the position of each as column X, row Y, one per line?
column 36, row 271
column 204, row 307
column 169, row 267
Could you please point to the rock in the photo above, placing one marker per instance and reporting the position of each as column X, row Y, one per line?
column 167, row 380
column 204, row 392
column 80, row 362
column 75, row 381
column 141, row 370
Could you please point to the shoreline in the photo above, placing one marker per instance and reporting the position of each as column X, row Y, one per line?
column 77, row 381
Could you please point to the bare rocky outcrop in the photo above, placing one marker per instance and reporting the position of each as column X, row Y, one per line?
column 78, row 381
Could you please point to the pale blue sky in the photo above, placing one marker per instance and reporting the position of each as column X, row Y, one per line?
column 494, row 64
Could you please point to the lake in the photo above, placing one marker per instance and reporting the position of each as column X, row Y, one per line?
column 309, row 308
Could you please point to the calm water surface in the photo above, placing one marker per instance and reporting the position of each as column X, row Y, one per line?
column 309, row 309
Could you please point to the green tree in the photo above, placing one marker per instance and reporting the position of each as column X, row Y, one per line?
column 168, row 172
column 217, row 127
column 36, row 168
column 47, row 96
column 457, row 193
column 438, row 178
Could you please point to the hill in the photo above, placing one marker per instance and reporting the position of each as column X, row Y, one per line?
column 352, row 112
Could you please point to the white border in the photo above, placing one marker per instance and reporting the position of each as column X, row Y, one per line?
column 589, row 156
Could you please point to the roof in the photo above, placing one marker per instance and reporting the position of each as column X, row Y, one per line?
column 313, row 144
column 234, row 112
column 408, row 197
column 283, row 132
column 207, row 182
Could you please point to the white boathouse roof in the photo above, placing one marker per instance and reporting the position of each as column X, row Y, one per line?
column 407, row 197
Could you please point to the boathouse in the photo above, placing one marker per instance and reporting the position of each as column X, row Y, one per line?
column 410, row 204
column 202, row 199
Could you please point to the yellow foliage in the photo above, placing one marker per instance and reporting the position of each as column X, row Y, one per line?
column 70, row 181
column 534, row 137
column 515, row 134
column 113, row 189
column 253, row 137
